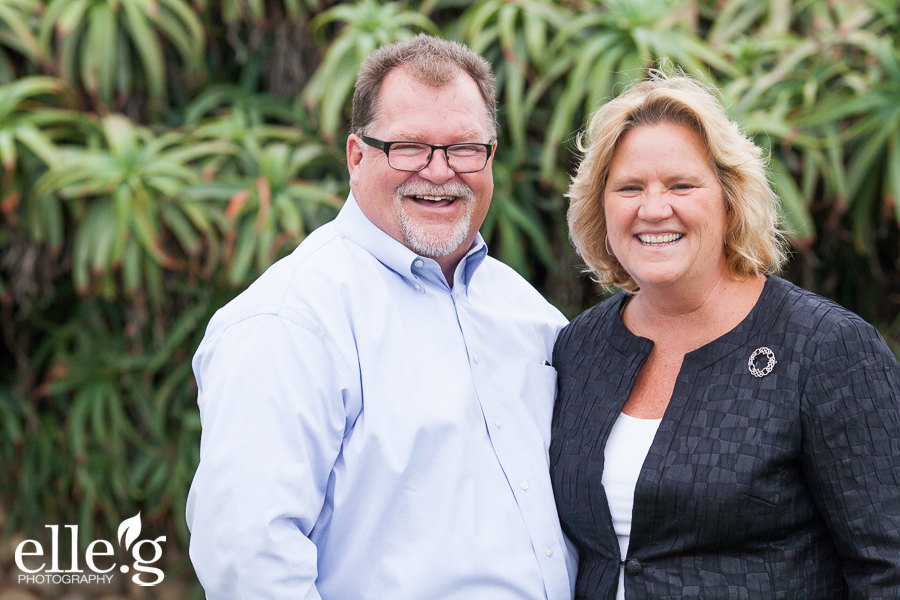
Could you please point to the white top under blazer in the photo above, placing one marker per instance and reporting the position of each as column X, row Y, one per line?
column 625, row 452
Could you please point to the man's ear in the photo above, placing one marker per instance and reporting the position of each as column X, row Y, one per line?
column 354, row 153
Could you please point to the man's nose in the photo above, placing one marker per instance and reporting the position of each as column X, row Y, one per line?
column 438, row 168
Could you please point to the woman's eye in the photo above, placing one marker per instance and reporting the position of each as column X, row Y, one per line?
column 682, row 186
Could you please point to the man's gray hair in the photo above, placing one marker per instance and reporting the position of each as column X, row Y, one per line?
column 431, row 61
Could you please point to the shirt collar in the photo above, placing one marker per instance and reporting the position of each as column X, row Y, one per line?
column 354, row 224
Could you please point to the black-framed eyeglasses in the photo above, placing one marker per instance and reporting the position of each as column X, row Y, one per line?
column 415, row 156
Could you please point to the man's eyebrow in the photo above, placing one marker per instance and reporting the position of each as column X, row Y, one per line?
column 412, row 137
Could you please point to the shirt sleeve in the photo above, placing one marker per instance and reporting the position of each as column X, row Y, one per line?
column 273, row 419
column 851, row 440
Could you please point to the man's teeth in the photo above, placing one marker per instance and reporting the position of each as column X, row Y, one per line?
column 667, row 238
column 435, row 198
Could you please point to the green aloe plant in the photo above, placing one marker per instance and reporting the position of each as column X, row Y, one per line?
column 127, row 196
column 112, row 425
column 20, row 128
column 257, row 11
column 609, row 44
column 18, row 23
column 768, row 111
column 872, row 151
column 362, row 27
column 235, row 102
column 269, row 203
column 515, row 37
column 31, row 127
column 796, row 91
column 111, row 47
column 514, row 227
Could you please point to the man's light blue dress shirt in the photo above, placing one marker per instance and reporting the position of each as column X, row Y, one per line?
column 371, row 433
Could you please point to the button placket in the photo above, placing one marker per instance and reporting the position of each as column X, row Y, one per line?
column 532, row 502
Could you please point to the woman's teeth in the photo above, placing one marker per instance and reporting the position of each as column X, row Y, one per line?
column 655, row 239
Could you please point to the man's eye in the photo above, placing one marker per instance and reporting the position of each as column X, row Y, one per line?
column 409, row 148
column 467, row 150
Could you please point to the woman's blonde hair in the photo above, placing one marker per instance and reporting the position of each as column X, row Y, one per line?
column 754, row 242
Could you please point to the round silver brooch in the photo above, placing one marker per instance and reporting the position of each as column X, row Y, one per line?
column 770, row 363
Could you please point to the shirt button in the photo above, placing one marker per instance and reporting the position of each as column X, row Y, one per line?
column 418, row 262
column 475, row 358
column 418, row 287
column 548, row 551
column 498, row 423
column 634, row 567
column 524, row 485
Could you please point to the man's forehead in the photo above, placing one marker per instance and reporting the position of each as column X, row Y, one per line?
column 394, row 105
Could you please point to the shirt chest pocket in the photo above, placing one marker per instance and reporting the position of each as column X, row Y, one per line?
column 537, row 395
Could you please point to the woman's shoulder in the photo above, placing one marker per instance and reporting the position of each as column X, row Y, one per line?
column 821, row 327
column 594, row 321
column 813, row 314
column 600, row 312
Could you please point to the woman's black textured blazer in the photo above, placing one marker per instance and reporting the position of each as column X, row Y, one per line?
column 781, row 486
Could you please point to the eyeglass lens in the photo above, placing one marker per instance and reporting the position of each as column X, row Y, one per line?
column 462, row 158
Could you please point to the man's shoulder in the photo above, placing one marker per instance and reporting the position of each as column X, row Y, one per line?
column 507, row 285
column 320, row 264
column 499, row 274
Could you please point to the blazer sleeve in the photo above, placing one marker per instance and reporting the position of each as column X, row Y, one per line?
column 850, row 414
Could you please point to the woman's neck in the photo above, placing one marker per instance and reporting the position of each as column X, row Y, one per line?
column 690, row 318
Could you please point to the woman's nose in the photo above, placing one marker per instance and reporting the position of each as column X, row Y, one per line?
column 655, row 206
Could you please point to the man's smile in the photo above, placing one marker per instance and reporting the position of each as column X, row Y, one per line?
column 435, row 201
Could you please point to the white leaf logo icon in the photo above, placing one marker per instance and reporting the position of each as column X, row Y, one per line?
column 130, row 529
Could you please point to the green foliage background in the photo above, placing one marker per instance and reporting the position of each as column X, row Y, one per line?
column 157, row 155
